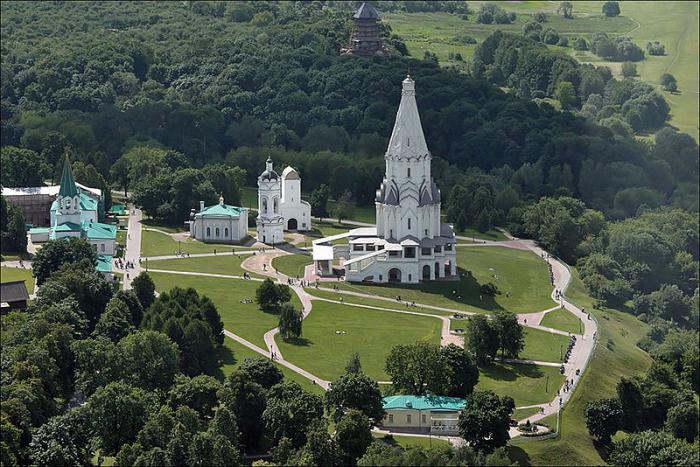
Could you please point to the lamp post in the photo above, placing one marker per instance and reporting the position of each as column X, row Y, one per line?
column 179, row 248
column 561, row 352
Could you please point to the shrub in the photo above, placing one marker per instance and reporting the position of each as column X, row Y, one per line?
column 655, row 48
column 580, row 44
column 629, row 69
column 489, row 289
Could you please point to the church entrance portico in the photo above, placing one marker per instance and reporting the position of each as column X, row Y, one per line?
column 292, row 224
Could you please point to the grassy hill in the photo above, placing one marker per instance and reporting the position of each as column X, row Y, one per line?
column 616, row 355
column 674, row 24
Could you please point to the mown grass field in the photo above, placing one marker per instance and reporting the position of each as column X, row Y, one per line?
column 615, row 356
column 674, row 24
column 563, row 320
column 543, row 346
column 526, row 384
column 292, row 265
column 374, row 302
column 226, row 263
column 521, row 277
column 154, row 243
column 370, row 333
column 245, row 319
column 8, row 274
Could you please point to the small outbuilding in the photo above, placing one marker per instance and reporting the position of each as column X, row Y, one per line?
column 13, row 296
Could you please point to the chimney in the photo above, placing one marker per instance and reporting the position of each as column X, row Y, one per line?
column 201, row 206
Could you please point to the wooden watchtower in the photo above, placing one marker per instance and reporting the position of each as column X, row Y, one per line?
column 366, row 39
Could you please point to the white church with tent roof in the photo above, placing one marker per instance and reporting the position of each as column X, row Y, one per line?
column 409, row 243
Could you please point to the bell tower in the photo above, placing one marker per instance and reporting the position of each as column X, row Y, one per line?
column 68, row 197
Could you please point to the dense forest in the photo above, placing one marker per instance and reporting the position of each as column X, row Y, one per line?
column 178, row 102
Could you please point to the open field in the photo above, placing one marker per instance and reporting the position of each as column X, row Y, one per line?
column 526, row 384
column 292, row 265
column 674, row 24
column 371, row 333
column 234, row 354
column 220, row 264
column 563, row 320
column 155, row 243
column 543, row 346
column 615, row 356
column 18, row 274
column 521, row 277
column 352, row 299
column 244, row 319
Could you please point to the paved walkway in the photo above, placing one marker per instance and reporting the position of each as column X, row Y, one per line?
column 133, row 247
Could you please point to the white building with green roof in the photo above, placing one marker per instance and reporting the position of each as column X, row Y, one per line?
column 438, row 415
column 75, row 214
column 220, row 223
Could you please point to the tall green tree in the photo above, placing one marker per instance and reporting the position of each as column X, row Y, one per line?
column 482, row 339
column 464, row 374
column 319, row 201
column 603, row 418
column 290, row 412
column 485, row 420
column 56, row 253
column 417, row 368
column 290, row 322
column 510, row 333
column 355, row 391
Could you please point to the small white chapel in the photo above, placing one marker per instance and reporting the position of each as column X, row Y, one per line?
column 280, row 206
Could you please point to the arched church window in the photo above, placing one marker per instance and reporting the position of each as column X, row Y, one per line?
column 226, row 232
column 409, row 223
column 264, row 207
column 275, row 205
column 208, row 231
column 408, row 172
column 217, row 231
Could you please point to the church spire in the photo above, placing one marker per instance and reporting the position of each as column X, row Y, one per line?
column 407, row 139
column 68, row 187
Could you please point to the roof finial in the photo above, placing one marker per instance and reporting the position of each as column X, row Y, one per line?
column 221, row 199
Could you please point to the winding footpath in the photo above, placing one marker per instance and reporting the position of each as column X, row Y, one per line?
column 260, row 264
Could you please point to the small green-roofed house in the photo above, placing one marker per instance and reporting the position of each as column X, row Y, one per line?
column 104, row 265
column 422, row 414
column 219, row 223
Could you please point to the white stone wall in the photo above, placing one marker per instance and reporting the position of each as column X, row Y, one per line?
column 104, row 247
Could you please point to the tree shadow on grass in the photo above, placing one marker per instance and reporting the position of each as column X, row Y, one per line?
column 300, row 341
column 465, row 291
column 225, row 357
column 508, row 372
column 518, row 455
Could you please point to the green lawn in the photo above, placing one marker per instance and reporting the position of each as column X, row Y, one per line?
column 234, row 353
column 244, row 319
column 374, row 302
column 161, row 226
column 521, row 276
column 543, row 346
column 407, row 441
column 563, row 320
column 615, row 356
column 521, row 414
column 155, row 243
column 226, row 263
column 526, row 384
column 371, row 333
column 458, row 324
column 17, row 274
column 292, row 265
column 492, row 234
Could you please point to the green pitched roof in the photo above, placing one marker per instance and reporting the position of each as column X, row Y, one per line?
column 220, row 210
column 99, row 231
column 104, row 264
column 434, row 403
column 68, row 187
